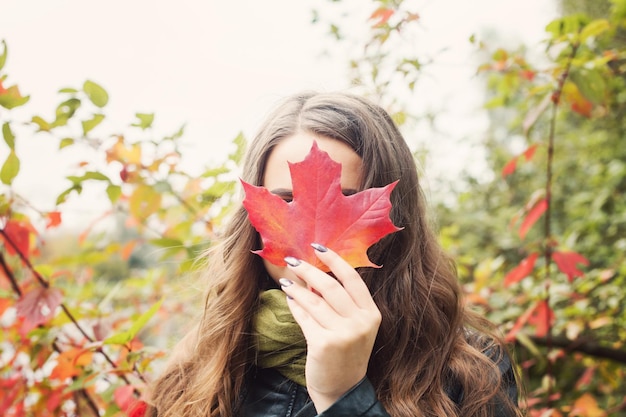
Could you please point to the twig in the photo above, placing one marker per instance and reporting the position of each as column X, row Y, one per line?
column 556, row 98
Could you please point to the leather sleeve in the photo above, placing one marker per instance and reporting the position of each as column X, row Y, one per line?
column 360, row 401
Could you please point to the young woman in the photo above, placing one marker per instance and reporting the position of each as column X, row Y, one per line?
column 390, row 341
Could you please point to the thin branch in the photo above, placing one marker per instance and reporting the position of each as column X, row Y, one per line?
column 582, row 345
column 556, row 98
column 9, row 274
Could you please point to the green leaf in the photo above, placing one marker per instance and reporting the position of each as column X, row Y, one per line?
column 88, row 125
column 90, row 175
column 177, row 135
column 240, row 143
column 12, row 98
column 166, row 242
column 144, row 201
column 66, row 142
column 65, row 111
column 114, row 192
column 9, row 137
column 594, row 28
column 68, row 90
column 96, row 93
column 63, row 196
column 41, row 123
column 3, row 57
column 10, row 168
column 129, row 335
column 145, row 120
column 591, row 84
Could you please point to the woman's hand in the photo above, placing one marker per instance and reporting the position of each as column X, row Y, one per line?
column 339, row 320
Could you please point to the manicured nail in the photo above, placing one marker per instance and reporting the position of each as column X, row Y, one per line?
column 319, row 248
column 284, row 282
column 291, row 261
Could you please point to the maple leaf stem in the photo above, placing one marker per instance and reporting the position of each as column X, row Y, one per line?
column 556, row 98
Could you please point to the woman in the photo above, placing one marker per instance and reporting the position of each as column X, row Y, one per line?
column 391, row 341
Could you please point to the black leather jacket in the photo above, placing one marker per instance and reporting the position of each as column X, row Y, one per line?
column 269, row 394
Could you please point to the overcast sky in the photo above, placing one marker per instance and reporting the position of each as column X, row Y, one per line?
column 219, row 65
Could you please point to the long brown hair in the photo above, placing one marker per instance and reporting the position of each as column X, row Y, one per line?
column 427, row 337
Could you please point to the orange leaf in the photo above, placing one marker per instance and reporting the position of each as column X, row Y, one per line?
column 382, row 14
column 587, row 406
column 509, row 168
column 37, row 307
column 69, row 363
column 567, row 261
column 533, row 215
column 583, row 107
column 54, row 219
column 349, row 225
column 522, row 270
column 127, row 250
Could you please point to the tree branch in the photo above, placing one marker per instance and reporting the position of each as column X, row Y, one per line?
column 582, row 345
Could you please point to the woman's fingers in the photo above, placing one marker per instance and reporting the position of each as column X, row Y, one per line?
column 339, row 320
column 347, row 276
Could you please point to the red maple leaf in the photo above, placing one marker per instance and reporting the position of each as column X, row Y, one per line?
column 38, row 306
column 567, row 263
column 126, row 401
column 16, row 236
column 319, row 213
column 522, row 270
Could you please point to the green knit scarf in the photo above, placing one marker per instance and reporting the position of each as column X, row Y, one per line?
column 280, row 343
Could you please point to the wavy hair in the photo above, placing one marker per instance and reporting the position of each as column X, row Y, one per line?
column 427, row 337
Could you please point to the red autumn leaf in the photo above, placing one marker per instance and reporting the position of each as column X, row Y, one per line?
column 382, row 14
column 19, row 235
column 542, row 318
column 37, row 306
column 522, row 270
column 533, row 215
column 519, row 323
column 509, row 168
column 567, row 261
column 319, row 212
column 126, row 401
column 530, row 152
column 54, row 219
column 527, row 74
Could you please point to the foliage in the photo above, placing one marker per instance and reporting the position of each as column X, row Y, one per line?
column 77, row 335
column 543, row 243
column 540, row 243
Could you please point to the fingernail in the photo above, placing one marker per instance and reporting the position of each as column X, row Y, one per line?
column 284, row 282
column 291, row 261
column 319, row 248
